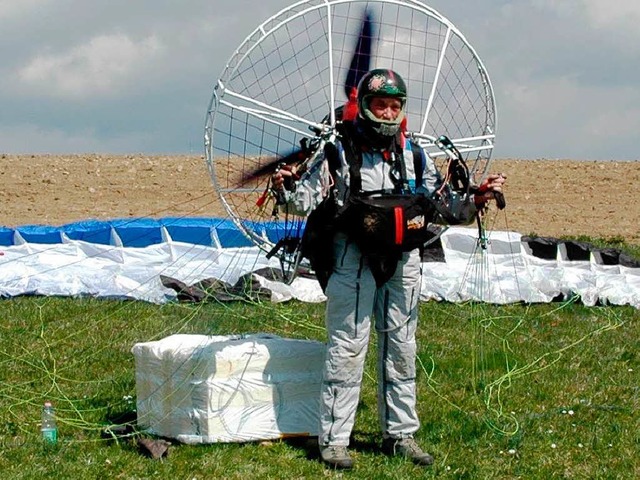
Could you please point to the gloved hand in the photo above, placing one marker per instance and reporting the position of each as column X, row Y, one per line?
column 283, row 177
column 491, row 188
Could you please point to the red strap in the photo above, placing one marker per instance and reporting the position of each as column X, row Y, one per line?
column 399, row 225
column 350, row 111
column 262, row 197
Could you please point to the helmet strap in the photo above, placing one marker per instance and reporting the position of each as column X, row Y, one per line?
column 386, row 128
column 370, row 137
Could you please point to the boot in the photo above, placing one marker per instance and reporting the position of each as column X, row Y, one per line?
column 336, row 456
column 408, row 448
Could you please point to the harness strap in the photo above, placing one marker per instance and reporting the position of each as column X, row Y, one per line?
column 353, row 152
column 419, row 162
column 399, row 218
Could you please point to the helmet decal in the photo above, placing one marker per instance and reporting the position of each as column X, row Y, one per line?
column 377, row 82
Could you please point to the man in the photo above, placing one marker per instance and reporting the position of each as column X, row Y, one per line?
column 373, row 273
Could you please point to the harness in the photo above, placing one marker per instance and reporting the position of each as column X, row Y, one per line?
column 383, row 223
column 353, row 153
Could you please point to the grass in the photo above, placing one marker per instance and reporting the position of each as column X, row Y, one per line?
column 538, row 391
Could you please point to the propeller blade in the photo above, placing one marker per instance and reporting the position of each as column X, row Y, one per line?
column 360, row 64
column 272, row 165
column 361, row 60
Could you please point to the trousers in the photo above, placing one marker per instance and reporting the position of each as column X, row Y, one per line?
column 353, row 300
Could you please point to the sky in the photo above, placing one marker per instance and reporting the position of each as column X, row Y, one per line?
column 136, row 76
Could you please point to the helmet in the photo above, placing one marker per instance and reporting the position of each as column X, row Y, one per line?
column 384, row 83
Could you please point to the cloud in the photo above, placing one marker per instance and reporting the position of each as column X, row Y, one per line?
column 599, row 13
column 103, row 66
column 609, row 23
column 14, row 9
column 28, row 138
column 112, row 75
column 558, row 118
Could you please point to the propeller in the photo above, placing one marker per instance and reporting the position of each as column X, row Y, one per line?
column 297, row 155
column 361, row 60
column 360, row 64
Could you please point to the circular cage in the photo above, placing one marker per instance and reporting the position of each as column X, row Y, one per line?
column 289, row 75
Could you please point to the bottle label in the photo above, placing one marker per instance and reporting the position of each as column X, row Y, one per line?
column 50, row 435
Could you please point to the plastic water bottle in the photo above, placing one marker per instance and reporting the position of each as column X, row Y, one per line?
column 49, row 428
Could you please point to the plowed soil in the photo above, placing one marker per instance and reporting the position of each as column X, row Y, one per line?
column 544, row 197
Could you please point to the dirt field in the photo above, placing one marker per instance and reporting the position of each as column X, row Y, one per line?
column 545, row 197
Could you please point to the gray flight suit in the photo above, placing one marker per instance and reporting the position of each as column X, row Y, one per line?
column 354, row 301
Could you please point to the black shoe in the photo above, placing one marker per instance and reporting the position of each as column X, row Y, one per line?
column 408, row 448
column 336, row 456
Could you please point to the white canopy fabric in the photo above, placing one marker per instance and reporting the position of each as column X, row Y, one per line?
column 507, row 271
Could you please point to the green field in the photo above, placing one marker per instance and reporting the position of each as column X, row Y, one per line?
column 519, row 391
